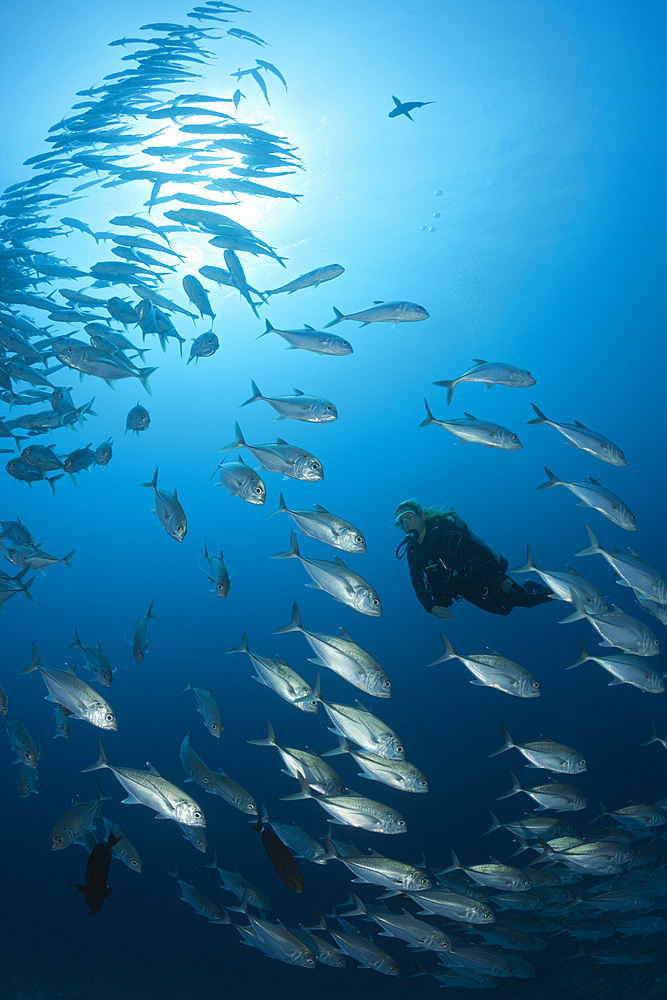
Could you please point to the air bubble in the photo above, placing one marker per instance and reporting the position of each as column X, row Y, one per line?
column 436, row 215
column 437, row 193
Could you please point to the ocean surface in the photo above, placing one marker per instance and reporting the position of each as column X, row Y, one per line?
column 523, row 208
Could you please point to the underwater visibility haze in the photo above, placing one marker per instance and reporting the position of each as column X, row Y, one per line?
column 315, row 262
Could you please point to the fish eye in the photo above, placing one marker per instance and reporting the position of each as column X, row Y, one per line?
column 386, row 684
column 423, row 782
column 109, row 717
column 213, row 727
column 135, row 863
column 314, row 465
column 582, row 762
column 424, row 880
column 399, row 749
column 536, row 685
column 258, row 490
column 26, row 754
column 196, row 814
column 375, row 602
column 401, row 822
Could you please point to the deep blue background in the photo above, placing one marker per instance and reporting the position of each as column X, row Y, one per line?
column 543, row 161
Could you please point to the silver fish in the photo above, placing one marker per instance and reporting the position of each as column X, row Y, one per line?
column 194, row 766
column 96, row 660
column 453, row 905
column 68, row 690
column 148, row 788
column 336, row 579
column 234, row 794
column 207, row 708
column 563, row 585
column 545, row 754
column 623, row 631
column 309, row 339
column 169, row 511
column 198, row 295
column 316, row 772
column 311, row 278
column 240, row 886
column 298, row 841
column 242, row 481
column 355, row 810
column 364, row 729
column 580, row 436
column 555, row 795
column 494, row 875
column 203, row 346
column 199, row 903
column 281, row 457
column 594, row 494
column 490, row 373
column 22, row 743
column 80, row 818
column 220, row 578
column 312, row 409
column 281, row 944
column 417, row 933
column 470, row 429
column 326, row 527
column 91, row 361
column 363, row 950
column 137, row 419
column 28, row 557
column 279, row 676
column 634, row 572
column 140, row 643
column 123, row 850
column 396, row 773
column 384, row 312
column 342, row 655
column 493, row 670
column 378, row 870
column 625, row 669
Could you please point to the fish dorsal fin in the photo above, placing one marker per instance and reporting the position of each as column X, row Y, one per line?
column 396, row 101
column 281, row 441
column 308, row 327
column 362, row 708
column 595, row 481
column 479, row 361
column 320, row 509
column 577, row 423
column 339, row 561
column 346, row 635
column 298, row 392
column 494, row 652
column 469, row 415
column 152, row 770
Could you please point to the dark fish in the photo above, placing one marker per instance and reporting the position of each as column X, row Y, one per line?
column 96, row 889
column 280, row 857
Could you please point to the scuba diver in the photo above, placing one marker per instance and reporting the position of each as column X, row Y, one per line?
column 448, row 561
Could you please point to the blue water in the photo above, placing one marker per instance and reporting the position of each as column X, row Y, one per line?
column 525, row 210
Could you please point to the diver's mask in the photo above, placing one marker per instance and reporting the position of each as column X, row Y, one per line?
column 407, row 522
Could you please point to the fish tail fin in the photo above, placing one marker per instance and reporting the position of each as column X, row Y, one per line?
column 523, row 846
column 25, row 591
column 449, row 653
column 593, row 548
column 514, row 790
column 553, row 480
column 295, row 624
column 281, row 503
column 101, row 760
column 256, row 394
column 53, row 480
column 150, row 610
column 429, row 418
column 66, row 559
column 581, row 659
column 337, row 318
column 239, row 442
column 507, row 745
column 529, row 564
column 495, row 822
column 34, row 663
column 449, row 385
column 602, row 813
column 293, row 551
column 153, row 482
column 243, row 648
column 654, row 738
column 77, row 641
column 341, row 748
column 540, row 419
column 455, row 865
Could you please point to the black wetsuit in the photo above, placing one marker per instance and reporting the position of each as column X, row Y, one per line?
column 451, row 564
